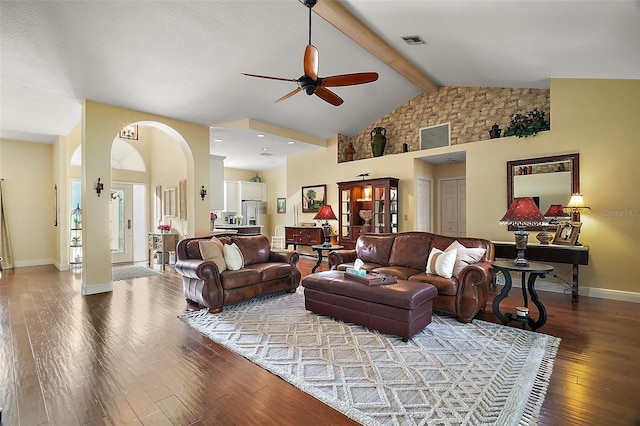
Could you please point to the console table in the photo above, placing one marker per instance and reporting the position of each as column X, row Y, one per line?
column 303, row 236
column 161, row 243
column 573, row 255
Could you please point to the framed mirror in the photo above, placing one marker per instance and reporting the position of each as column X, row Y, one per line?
column 548, row 180
column 169, row 198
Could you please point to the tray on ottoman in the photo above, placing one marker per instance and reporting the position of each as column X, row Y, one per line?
column 403, row 308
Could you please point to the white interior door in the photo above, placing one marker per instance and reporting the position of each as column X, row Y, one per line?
column 423, row 204
column 453, row 207
column 121, row 208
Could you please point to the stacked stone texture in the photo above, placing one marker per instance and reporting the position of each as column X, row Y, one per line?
column 471, row 111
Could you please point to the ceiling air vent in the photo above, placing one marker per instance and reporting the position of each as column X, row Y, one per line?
column 412, row 40
column 266, row 154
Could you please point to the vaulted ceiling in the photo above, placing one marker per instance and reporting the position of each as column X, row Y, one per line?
column 184, row 60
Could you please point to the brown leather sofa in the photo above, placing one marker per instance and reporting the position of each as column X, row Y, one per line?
column 264, row 272
column 405, row 256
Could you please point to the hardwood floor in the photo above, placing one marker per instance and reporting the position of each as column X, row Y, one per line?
column 122, row 358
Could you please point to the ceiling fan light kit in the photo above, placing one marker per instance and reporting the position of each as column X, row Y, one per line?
column 311, row 83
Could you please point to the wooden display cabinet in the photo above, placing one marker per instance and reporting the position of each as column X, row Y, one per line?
column 367, row 206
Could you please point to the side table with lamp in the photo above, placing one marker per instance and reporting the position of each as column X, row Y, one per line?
column 522, row 213
column 325, row 213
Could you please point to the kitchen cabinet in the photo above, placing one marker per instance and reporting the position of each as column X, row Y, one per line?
column 254, row 191
column 367, row 206
column 232, row 197
column 237, row 191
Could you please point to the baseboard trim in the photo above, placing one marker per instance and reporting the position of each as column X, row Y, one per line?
column 32, row 262
column 604, row 293
column 88, row 290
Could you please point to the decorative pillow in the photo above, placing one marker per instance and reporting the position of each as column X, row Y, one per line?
column 441, row 262
column 213, row 250
column 233, row 257
column 466, row 256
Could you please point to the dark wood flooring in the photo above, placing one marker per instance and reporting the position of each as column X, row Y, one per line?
column 122, row 358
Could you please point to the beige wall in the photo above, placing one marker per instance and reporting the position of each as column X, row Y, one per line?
column 28, row 192
column 599, row 119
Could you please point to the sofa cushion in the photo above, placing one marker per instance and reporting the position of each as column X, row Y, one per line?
column 445, row 286
column 372, row 248
column 401, row 272
column 465, row 256
column 213, row 250
column 254, row 248
column 410, row 250
column 233, row 257
column 243, row 277
column 441, row 262
column 271, row 270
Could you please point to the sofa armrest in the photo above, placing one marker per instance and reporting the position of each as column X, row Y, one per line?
column 338, row 257
column 473, row 284
column 284, row 256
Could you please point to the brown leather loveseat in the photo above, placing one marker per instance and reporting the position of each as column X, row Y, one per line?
column 405, row 255
column 263, row 272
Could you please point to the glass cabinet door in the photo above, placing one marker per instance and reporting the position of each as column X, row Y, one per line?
column 345, row 213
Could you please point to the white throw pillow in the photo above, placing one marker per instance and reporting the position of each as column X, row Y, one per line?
column 233, row 257
column 466, row 256
column 441, row 262
column 213, row 250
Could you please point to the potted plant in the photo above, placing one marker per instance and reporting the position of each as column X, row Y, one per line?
column 529, row 124
column 77, row 222
column 75, row 241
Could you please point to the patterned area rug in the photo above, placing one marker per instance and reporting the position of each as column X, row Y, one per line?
column 448, row 374
column 120, row 273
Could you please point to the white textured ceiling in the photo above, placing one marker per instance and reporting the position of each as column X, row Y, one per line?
column 183, row 59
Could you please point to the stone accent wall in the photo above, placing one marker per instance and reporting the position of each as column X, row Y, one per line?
column 471, row 111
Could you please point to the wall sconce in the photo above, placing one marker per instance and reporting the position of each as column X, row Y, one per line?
column 129, row 132
column 203, row 193
column 99, row 187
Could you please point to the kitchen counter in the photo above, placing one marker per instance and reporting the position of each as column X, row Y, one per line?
column 242, row 229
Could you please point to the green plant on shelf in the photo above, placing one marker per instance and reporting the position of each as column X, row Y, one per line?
column 529, row 124
column 75, row 241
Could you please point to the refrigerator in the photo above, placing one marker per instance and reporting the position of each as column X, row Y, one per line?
column 254, row 212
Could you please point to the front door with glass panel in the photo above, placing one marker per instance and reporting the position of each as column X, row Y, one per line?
column 121, row 235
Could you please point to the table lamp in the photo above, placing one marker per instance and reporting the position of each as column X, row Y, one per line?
column 326, row 213
column 575, row 207
column 523, row 212
column 554, row 214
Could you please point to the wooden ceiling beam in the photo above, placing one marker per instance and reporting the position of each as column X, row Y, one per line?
column 341, row 18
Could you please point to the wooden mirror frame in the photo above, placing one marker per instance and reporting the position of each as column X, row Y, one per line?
column 575, row 179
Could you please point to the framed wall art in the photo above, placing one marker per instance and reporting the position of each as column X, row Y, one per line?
column 313, row 197
column 567, row 233
column 281, row 205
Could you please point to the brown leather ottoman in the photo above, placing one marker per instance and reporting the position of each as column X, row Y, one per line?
column 403, row 308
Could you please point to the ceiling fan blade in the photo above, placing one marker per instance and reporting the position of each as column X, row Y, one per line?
column 270, row 78
column 327, row 95
column 349, row 79
column 288, row 95
column 311, row 61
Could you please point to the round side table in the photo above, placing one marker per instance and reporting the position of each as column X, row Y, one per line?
column 535, row 270
column 320, row 248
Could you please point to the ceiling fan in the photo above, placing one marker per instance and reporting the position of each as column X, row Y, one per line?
column 311, row 83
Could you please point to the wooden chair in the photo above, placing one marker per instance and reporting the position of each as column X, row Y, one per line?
column 277, row 240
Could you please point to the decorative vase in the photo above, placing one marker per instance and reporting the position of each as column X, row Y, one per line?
column 378, row 141
column 256, row 178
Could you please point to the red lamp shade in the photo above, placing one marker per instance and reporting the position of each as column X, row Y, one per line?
column 325, row 213
column 523, row 212
column 556, row 212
